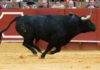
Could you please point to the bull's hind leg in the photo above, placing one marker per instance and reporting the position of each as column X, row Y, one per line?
column 28, row 43
column 37, row 48
column 49, row 47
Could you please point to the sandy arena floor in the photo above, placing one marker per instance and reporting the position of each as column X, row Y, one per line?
column 13, row 56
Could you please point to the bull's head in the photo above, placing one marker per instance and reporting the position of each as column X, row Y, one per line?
column 88, row 25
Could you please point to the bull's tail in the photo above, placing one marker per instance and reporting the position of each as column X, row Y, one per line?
column 1, row 31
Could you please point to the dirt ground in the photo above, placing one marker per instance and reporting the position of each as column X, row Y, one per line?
column 13, row 56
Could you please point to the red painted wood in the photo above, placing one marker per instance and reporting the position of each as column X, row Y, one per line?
column 85, row 36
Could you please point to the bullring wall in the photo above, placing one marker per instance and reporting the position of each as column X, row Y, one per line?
column 88, row 40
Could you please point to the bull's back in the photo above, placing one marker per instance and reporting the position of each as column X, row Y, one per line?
column 47, row 24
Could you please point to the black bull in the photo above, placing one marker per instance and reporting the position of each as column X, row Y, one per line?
column 57, row 30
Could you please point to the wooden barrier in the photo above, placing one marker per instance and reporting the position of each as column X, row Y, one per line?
column 12, row 36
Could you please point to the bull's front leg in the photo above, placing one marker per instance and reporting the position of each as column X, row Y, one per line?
column 58, row 49
column 59, row 45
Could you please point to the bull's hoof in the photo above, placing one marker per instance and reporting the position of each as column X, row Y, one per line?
column 35, row 53
column 42, row 56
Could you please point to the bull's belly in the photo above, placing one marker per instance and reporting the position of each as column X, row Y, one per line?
column 55, row 40
column 44, row 38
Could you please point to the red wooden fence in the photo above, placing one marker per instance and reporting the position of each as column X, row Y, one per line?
column 85, row 39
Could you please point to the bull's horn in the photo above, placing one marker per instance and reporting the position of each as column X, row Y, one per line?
column 88, row 16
